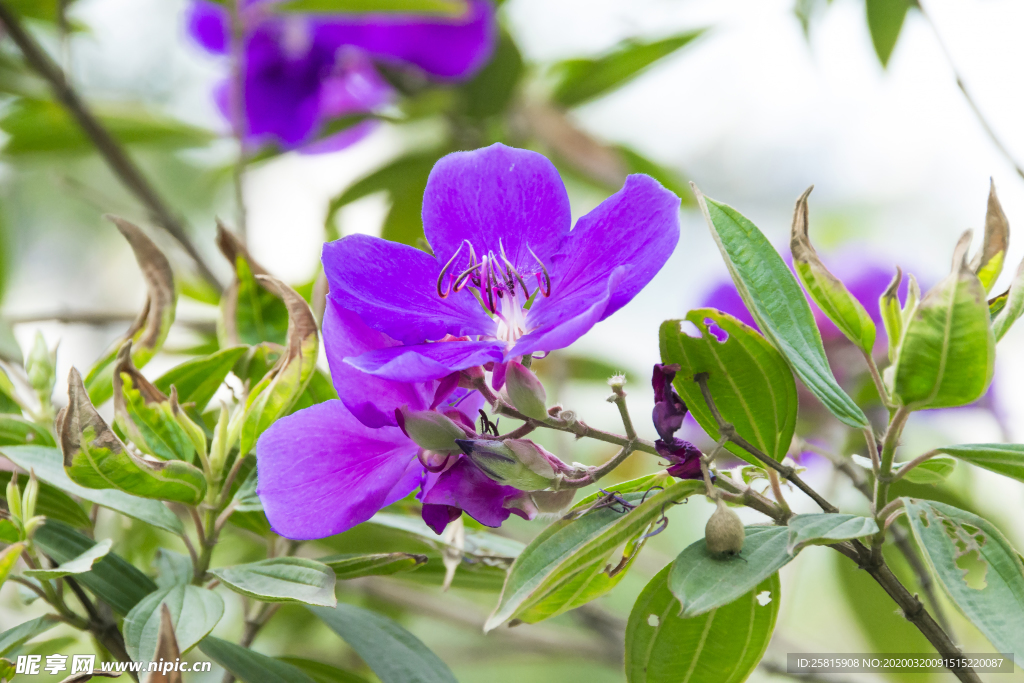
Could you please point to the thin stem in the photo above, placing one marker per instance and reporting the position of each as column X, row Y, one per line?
column 597, row 472
column 199, row 525
column 729, row 432
column 876, row 377
column 619, row 399
column 773, row 479
column 869, row 437
column 109, row 148
column 912, row 464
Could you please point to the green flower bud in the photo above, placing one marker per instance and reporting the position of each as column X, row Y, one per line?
column 525, row 391
column 514, row 462
column 33, row 524
column 41, row 367
column 724, row 532
column 430, row 429
column 14, row 498
column 28, row 501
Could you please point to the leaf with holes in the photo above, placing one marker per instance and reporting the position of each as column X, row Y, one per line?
column 585, row 538
column 1005, row 458
column 826, row 529
column 750, row 382
column 76, row 565
column 702, row 582
column 194, row 613
column 720, row 646
column 282, row 579
column 353, row 566
column 977, row 566
column 775, row 300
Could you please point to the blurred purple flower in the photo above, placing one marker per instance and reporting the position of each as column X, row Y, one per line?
column 498, row 221
column 326, row 468
column 301, row 71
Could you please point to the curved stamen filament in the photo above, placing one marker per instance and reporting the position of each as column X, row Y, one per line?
column 546, row 286
column 511, row 272
column 444, row 271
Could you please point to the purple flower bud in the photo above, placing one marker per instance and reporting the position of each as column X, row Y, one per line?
column 669, row 409
column 525, row 391
column 514, row 462
column 430, row 429
column 683, row 457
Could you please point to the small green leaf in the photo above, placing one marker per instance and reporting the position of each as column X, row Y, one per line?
column 721, row 646
column 149, row 331
column 987, row 264
column 16, row 637
column 8, row 558
column 194, row 611
column 1005, row 458
column 976, row 565
column 282, row 579
column 353, row 566
column 580, row 80
column 892, row 314
column 249, row 666
column 112, row 579
column 947, row 353
column 52, row 503
column 831, row 295
column 932, row 471
column 95, row 458
column 8, row 532
column 702, row 582
column 172, row 569
column 449, row 8
column 394, row 654
column 751, row 383
column 1006, row 308
column 284, row 383
column 16, row 431
column 774, row 298
column 48, row 464
column 245, row 498
column 885, row 20
column 7, row 670
column 826, row 529
column 198, row 379
column 575, row 544
column 77, row 565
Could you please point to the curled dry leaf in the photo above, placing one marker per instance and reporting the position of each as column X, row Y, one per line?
column 988, row 262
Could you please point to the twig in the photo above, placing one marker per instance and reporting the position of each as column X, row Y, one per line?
column 109, row 148
column 876, row 377
column 619, row 399
column 101, row 318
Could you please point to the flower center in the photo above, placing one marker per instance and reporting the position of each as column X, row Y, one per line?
column 497, row 285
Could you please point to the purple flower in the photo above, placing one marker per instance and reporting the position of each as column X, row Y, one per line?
column 302, row 71
column 669, row 409
column 326, row 468
column 683, row 457
column 508, row 277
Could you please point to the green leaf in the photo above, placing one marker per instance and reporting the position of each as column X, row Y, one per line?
column 198, row 379
column 394, row 654
column 249, row 666
column 322, row 673
column 251, row 314
column 319, row 390
column 751, row 383
column 575, row 544
column 8, row 558
column 1006, row 308
column 52, row 503
column 44, row 127
column 15, row 637
column 987, row 264
column 76, row 565
column 580, row 80
column 95, row 458
column 278, row 390
column 831, row 295
column 194, row 611
column 774, row 298
column 825, row 529
column 947, row 353
column 149, row 331
column 7, row 670
column 112, row 579
column 8, row 532
column 245, row 498
column 282, row 579
column 885, row 20
column 353, row 566
column 172, row 569
column 892, row 314
column 702, row 582
column 721, row 646
column 450, row 8
column 932, row 471
column 491, row 90
column 48, row 464
column 1005, row 458
column 976, row 565
column 16, row 431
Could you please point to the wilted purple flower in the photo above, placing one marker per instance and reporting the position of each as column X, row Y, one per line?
column 669, row 409
column 302, row 71
column 683, row 457
column 326, row 468
column 507, row 278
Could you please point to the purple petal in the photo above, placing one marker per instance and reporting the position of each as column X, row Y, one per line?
column 437, row 517
column 637, row 228
column 464, row 486
column 424, row 362
column 393, row 288
column 207, row 23
column 371, row 399
column 492, row 197
column 321, row 471
column 444, row 47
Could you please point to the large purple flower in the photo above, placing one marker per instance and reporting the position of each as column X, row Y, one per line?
column 333, row 465
column 301, row 71
column 507, row 277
